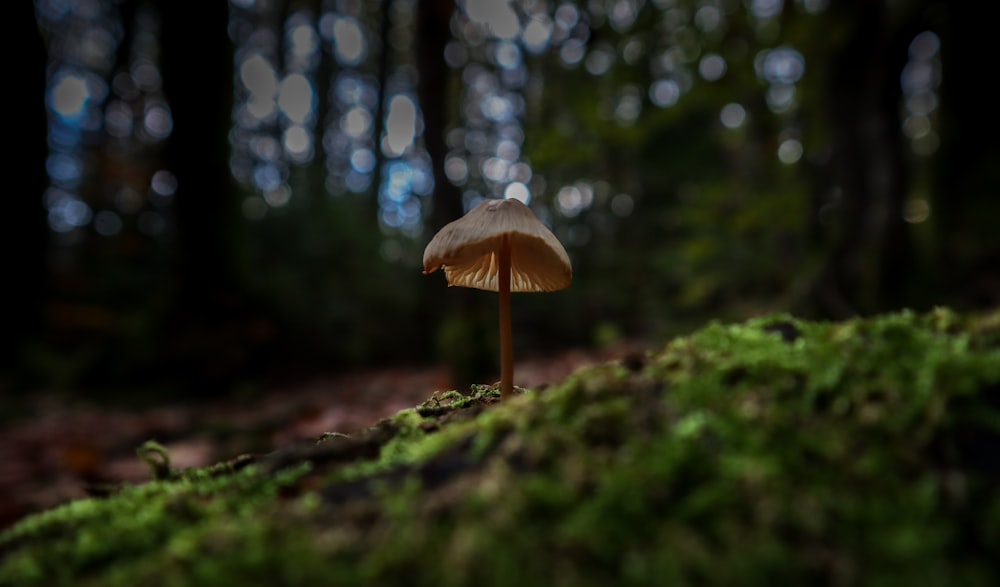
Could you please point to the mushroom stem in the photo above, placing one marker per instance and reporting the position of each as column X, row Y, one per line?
column 506, row 344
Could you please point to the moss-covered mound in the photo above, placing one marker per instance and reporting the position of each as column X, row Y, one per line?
column 775, row 452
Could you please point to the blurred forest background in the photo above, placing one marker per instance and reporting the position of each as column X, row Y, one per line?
column 242, row 191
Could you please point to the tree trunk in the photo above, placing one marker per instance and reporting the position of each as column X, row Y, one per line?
column 206, row 338
column 23, row 226
column 433, row 33
column 463, row 332
column 869, row 244
column 966, row 207
column 197, row 80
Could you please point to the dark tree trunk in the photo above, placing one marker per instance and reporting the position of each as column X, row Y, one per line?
column 464, row 329
column 197, row 80
column 433, row 33
column 23, row 227
column 382, row 75
column 207, row 337
column 966, row 206
column 868, row 243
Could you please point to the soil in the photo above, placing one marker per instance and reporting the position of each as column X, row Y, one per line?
column 63, row 448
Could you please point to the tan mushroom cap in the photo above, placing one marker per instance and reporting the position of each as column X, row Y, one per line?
column 468, row 249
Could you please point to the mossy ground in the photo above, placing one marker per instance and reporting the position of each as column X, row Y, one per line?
column 773, row 452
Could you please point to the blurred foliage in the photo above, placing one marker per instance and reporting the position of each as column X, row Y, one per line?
column 680, row 215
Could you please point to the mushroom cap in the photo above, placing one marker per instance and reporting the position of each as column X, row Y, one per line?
column 468, row 249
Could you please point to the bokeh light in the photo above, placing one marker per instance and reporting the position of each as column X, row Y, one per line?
column 537, row 33
column 622, row 205
column 66, row 211
column 400, row 125
column 518, row 191
column 69, row 96
column 919, row 82
column 916, row 210
column 664, row 93
column 312, row 88
column 764, row 9
column 497, row 16
column 573, row 199
column 107, row 223
column 712, row 67
column 782, row 65
column 790, row 151
column 296, row 98
column 733, row 115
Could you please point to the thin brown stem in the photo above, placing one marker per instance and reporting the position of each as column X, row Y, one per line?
column 506, row 343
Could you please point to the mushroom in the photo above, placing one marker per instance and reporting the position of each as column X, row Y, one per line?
column 501, row 246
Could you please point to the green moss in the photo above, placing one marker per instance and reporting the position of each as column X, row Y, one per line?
column 56, row 546
column 775, row 451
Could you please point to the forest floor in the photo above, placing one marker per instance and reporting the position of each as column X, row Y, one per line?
column 62, row 448
column 771, row 451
